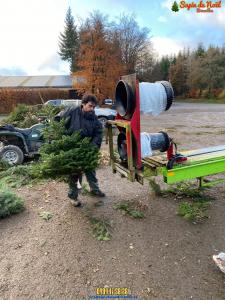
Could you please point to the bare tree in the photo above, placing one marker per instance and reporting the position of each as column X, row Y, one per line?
column 145, row 64
column 132, row 40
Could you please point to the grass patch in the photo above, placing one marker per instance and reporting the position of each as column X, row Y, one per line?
column 46, row 215
column 171, row 129
column 185, row 133
column 101, row 229
column 85, row 190
column 193, row 211
column 180, row 190
column 4, row 165
column 130, row 208
column 220, row 132
column 17, row 176
column 207, row 126
column 10, row 203
column 201, row 100
column 204, row 132
column 155, row 187
column 185, row 190
column 196, row 208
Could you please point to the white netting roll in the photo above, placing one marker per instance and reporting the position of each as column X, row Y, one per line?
column 146, row 149
column 153, row 98
column 154, row 141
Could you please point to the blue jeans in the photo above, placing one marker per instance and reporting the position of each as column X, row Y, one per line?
column 73, row 179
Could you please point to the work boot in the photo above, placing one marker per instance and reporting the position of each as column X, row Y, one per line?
column 76, row 203
column 72, row 194
column 97, row 193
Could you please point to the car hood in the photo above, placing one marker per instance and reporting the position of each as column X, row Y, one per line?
column 101, row 111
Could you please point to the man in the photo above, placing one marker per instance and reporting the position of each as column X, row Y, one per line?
column 83, row 119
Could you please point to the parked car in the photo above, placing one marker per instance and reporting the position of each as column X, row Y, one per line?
column 71, row 102
column 108, row 101
column 103, row 114
column 64, row 102
column 54, row 102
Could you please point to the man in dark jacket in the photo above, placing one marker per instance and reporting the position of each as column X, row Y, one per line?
column 83, row 119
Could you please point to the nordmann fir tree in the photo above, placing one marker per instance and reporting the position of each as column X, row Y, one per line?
column 69, row 42
column 64, row 154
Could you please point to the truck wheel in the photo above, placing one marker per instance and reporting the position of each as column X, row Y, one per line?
column 103, row 120
column 12, row 154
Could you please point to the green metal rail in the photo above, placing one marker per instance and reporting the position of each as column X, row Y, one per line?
column 197, row 166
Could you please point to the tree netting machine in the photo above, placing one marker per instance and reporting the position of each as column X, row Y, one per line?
column 155, row 153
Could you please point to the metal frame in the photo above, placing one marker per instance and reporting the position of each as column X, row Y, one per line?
column 197, row 168
column 129, row 171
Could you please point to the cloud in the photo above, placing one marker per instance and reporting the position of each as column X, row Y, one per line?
column 167, row 4
column 166, row 46
column 220, row 17
column 162, row 19
column 53, row 65
column 29, row 37
column 31, row 32
column 215, row 19
column 12, row 71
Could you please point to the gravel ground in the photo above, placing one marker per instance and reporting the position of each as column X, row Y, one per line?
column 161, row 256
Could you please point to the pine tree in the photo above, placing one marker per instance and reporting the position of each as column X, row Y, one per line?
column 69, row 42
column 200, row 51
column 165, row 66
column 175, row 7
column 64, row 154
column 179, row 75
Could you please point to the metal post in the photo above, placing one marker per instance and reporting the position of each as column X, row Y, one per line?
column 111, row 151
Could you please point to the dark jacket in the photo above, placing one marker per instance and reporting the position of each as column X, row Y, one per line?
column 87, row 123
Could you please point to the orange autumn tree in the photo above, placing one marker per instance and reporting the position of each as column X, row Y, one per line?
column 99, row 58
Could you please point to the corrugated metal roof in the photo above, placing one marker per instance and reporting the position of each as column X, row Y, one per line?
column 35, row 81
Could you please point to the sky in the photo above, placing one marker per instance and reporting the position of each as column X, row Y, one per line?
column 29, row 29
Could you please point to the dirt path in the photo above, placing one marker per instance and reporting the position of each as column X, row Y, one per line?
column 159, row 257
